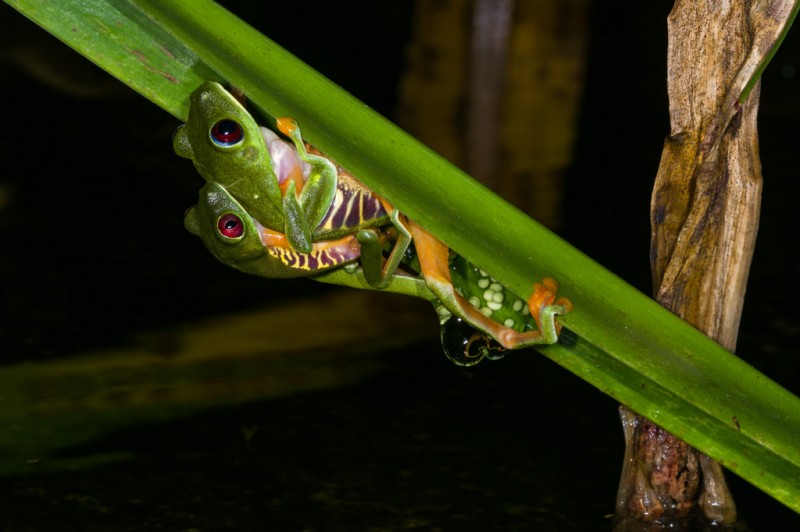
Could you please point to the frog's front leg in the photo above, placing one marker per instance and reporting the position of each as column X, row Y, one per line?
column 377, row 272
column 305, row 204
column 543, row 304
column 372, row 272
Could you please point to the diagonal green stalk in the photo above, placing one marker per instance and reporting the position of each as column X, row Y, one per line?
column 628, row 346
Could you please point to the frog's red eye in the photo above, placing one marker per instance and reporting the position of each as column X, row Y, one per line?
column 227, row 133
column 230, row 226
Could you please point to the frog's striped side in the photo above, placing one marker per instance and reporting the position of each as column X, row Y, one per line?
column 354, row 207
column 323, row 256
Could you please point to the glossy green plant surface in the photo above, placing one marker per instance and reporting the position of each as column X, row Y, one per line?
column 627, row 345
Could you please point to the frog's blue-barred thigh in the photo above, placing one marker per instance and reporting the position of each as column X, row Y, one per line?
column 354, row 205
column 316, row 260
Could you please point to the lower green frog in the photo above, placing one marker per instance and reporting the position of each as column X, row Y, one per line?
column 282, row 209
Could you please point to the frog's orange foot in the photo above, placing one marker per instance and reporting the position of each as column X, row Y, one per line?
column 286, row 125
column 544, row 294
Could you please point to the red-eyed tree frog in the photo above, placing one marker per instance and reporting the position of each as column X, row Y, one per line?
column 282, row 209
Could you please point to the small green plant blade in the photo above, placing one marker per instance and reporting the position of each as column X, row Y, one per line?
column 627, row 345
column 119, row 38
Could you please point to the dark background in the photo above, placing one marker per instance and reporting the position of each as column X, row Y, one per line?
column 91, row 205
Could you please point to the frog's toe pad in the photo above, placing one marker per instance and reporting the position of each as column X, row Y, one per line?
column 544, row 295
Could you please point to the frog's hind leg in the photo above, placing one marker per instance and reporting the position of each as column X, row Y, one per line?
column 543, row 304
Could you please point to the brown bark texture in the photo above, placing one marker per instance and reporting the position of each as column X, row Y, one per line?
column 704, row 219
